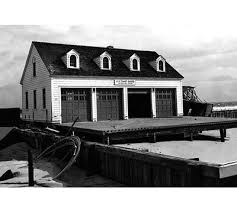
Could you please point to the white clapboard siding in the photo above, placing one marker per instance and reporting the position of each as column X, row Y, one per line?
column 58, row 83
column 30, row 83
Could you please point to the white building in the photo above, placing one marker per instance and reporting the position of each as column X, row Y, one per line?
column 61, row 82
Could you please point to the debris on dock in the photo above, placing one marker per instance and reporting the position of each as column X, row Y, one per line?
column 193, row 105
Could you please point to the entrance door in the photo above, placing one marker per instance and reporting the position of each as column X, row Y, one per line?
column 165, row 102
column 109, row 104
column 76, row 102
column 139, row 103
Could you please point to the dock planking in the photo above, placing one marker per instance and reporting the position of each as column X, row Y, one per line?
column 117, row 130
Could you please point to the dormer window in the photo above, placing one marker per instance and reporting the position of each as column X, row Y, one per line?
column 72, row 59
column 160, row 64
column 104, row 61
column 134, row 63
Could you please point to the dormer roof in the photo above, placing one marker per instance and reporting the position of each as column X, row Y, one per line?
column 72, row 51
column 52, row 54
column 105, row 53
column 160, row 58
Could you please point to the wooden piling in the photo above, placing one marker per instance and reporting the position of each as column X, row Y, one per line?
column 191, row 136
column 154, row 137
column 30, row 169
column 107, row 140
column 222, row 134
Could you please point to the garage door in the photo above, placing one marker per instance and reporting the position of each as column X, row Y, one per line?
column 165, row 102
column 109, row 104
column 76, row 102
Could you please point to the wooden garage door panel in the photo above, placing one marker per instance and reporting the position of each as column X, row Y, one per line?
column 165, row 102
column 109, row 104
column 75, row 102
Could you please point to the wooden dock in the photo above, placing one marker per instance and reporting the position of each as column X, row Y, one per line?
column 111, row 131
column 133, row 167
column 140, row 168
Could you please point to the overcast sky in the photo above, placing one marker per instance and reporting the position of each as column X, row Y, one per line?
column 199, row 40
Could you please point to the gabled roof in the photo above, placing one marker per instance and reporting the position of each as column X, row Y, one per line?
column 105, row 53
column 72, row 51
column 27, row 61
column 51, row 54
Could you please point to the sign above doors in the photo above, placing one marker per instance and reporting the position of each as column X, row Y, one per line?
column 125, row 82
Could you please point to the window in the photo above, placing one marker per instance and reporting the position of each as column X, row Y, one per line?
column 44, row 98
column 34, row 66
column 27, row 103
column 73, row 61
column 161, row 66
column 105, row 63
column 35, row 99
column 134, row 64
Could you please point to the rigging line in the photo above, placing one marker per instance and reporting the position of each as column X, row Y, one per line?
column 52, row 146
column 56, row 147
column 66, row 136
column 73, row 159
column 68, row 141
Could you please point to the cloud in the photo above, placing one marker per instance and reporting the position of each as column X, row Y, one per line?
column 223, row 78
column 217, row 91
column 15, row 42
column 206, row 61
column 10, row 95
column 59, row 28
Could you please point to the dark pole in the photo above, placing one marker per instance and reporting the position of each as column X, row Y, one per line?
column 222, row 133
column 46, row 115
column 69, row 131
column 30, row 169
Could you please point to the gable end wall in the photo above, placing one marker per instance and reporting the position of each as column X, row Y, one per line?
column 30, row 83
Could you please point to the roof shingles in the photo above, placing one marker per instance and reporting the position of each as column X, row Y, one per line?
column 51, row 55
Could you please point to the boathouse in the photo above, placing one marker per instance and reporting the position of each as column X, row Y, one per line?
column 61, row 82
